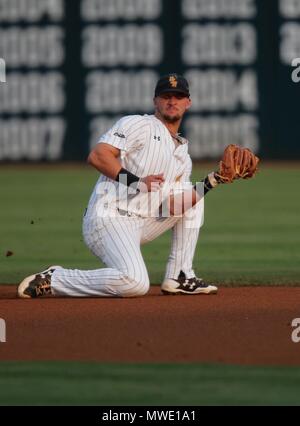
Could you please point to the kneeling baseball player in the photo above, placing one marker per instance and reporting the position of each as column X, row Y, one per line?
column 144, row 190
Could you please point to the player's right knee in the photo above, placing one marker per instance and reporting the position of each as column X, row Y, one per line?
column 137, row 287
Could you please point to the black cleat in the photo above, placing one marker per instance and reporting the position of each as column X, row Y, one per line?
column 185, row 285
column 37, row 285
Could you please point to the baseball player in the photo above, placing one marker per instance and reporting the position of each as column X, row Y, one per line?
column 143, row 161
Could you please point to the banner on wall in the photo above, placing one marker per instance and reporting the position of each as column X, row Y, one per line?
column 73, row 68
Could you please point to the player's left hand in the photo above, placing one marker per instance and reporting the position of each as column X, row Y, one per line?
column 236, row 163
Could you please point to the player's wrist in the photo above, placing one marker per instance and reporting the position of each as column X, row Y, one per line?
column 213, row 179
column 127, row 178
column 219, row 179
column 207, row 184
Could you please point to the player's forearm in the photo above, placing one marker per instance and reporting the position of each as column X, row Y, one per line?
column 105, row 159
column 182, row 202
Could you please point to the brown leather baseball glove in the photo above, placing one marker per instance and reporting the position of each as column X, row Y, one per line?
column 236, row 163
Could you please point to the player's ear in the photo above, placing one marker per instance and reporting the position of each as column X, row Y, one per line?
column 189, row 103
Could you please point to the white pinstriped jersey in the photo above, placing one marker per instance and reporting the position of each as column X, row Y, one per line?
column 147, row 148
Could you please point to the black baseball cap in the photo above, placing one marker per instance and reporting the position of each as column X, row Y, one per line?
column 172, row 83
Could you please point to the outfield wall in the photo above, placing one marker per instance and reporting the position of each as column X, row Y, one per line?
column 69, row 69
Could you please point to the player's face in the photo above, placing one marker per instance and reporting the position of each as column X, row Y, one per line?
column 172, row 106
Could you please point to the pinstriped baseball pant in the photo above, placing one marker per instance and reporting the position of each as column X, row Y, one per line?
column 117, row 242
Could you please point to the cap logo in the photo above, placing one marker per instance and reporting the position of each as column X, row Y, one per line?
column 173, row 81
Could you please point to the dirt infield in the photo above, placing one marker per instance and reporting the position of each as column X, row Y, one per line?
column 246, row 325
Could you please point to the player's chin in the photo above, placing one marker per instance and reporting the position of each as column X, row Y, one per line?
column 172, row 118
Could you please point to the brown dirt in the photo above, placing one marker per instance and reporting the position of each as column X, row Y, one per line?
column 246, row 325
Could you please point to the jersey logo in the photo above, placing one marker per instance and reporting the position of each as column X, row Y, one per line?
column 173, row 81
column 119, row 135
column 157, row 138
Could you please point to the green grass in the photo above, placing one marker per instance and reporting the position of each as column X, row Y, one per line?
column 251, row 233
column 69, row 383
